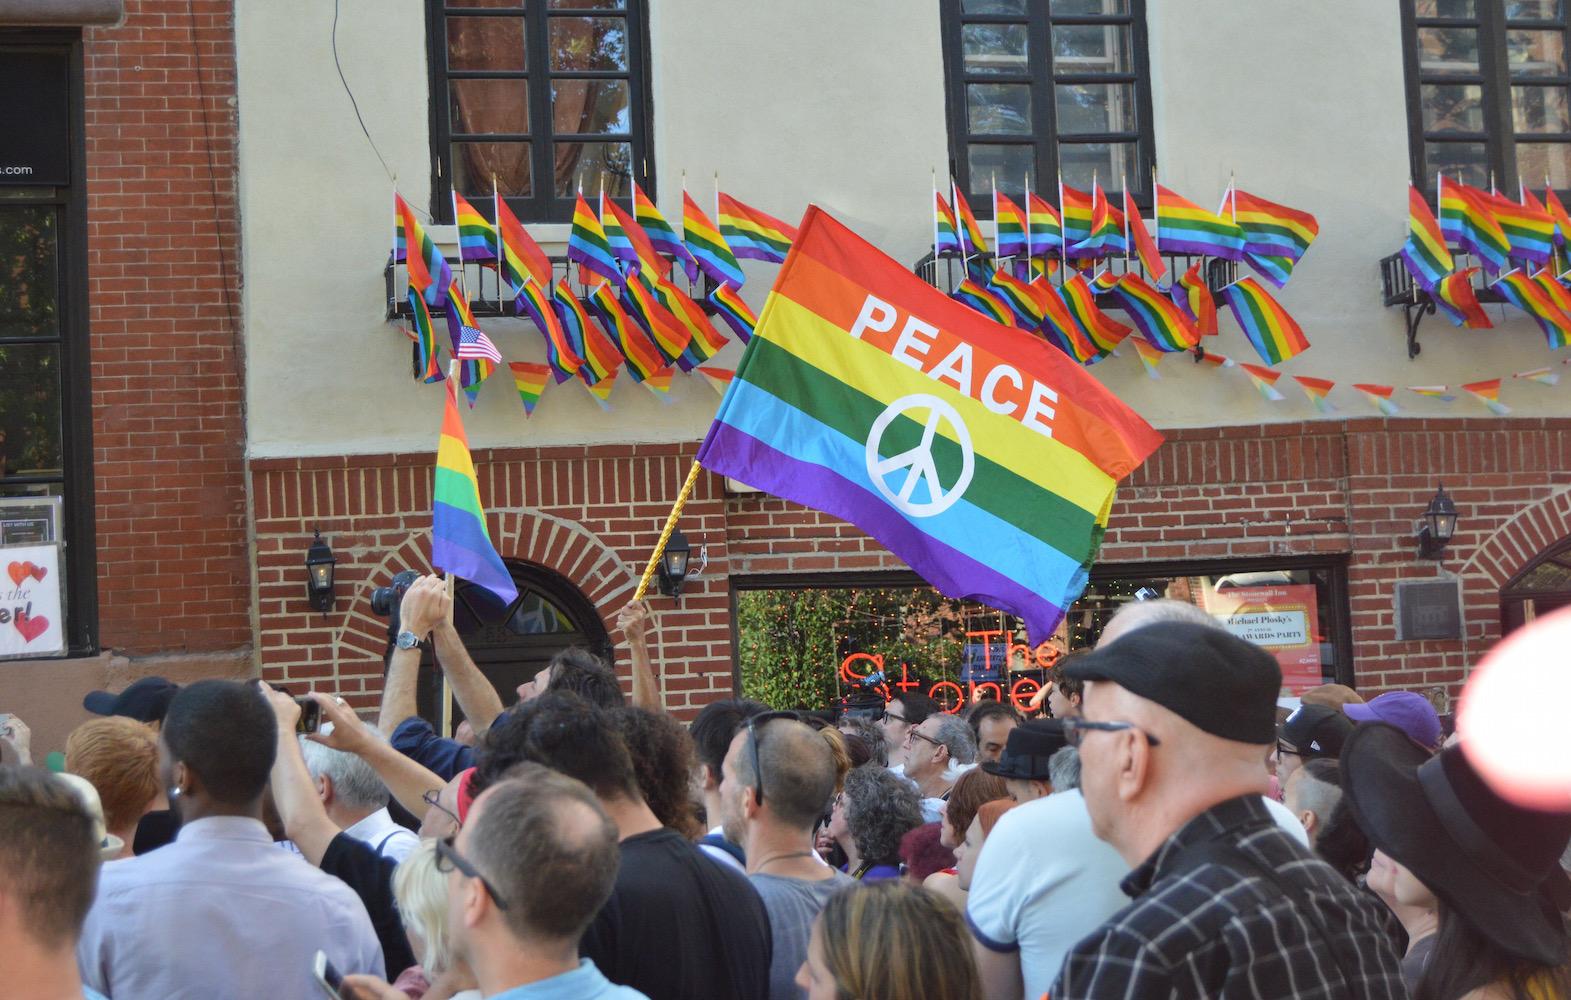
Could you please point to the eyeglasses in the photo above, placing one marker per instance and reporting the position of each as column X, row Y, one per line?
column 1283, row 748
column 753, row 725
column 1075, row 730
column 448, row 859
column 434, row 798
column 892, row 716
column 915, row 735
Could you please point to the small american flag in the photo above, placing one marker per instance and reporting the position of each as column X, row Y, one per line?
column 474, row 345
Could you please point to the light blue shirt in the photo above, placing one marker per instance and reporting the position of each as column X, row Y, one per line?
column 221, row 914
column 584, row 983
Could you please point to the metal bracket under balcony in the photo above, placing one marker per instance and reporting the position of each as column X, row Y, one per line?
column 1397, row 288
column 946, row 273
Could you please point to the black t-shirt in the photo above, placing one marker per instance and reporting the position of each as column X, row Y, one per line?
column 679, row 925
column 370, row 875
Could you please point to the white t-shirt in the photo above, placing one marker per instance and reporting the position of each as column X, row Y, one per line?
column 1286, row 820
column 1043, row 882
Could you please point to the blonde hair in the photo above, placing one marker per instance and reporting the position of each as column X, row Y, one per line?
column 119, row 756
column 890, row 941
column 421, row 892
column 842, row 756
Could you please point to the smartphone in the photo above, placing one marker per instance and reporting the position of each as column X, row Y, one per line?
column 310, row 715
column 328, row 977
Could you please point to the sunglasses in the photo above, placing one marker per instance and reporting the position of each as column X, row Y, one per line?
column 433, row 798
column 1075, row 730
column 448, row 859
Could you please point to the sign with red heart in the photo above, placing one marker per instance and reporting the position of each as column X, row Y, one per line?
column 31, row 616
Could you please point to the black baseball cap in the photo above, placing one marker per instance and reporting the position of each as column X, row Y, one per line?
column 1029, row 748
column 1214, row 680
column 146, row 700
column 1317, row 731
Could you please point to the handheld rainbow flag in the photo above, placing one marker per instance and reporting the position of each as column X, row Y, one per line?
column 643, row 357
column 704, row 341
column 718, row 378
column 706, row 245
column 670, row 337
column 1272, row 230
column 1184, row 227
column 587, row 244
column 1020, row 297
column 1009, row 227
column 1379, row 396
column 976, row 296
column 428, row 366
column 1275, row 335
column 1557, row 212
column 1061, row 328
column 1145, row 249
column 476, row 237
column 645, row 255
column 946, row 234
column 531, row 380
column 1544, row 376
column 952, row 469
column 1045, row 228
column 1455, row 299
column 1191, row 294
column 601, row 390
column 521, row 256
column 737, row 314
column 1214, row 359
column 429, row 273
column 1163, row 325
column 1488, row 393
column 460, row 543
column 601, row 358
column 1076, row 217
column 1530, row 297
column 751, row 233
column 560, row 354
column 1264, row 380
column 661, row 236
column 1149, row 357
column 617, row 237
column 1101, row 329
column 972, row 243
column 1440, row 392
column 1318, row 390
column 1527, row 227
column 1424, row 252
column 1468, row 223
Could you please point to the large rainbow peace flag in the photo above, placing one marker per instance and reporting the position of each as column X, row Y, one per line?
column 980, row 455
column 460, row 543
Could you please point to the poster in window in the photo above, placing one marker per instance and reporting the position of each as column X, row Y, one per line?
column 32, row 621
column 28, row 520
column 1284, row 619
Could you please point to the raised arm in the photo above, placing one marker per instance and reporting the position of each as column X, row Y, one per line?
column 405, row 778
column 423, row 606
column 305, row 818
column 634, row 622
column 478, row 699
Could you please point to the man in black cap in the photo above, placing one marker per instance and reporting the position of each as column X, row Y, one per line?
column 1224, row 903
column 1024, row 763
column 146, row 700
column 1312, row 732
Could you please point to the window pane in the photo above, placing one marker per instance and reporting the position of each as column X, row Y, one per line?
column 29, row 285
column 998, row 108
column 588, row 43
column 1114, row 7
column 485, row 3
column 1540, row 109
column 1453, row 107
column 1537, row 160
column 536, row 615
column 1448, row 50
column 994, row 48
column 587, row 163
column 591, row 107
column 488, row 106
column 1529, row 10
column 1536, row 53
column 1466, row 161
column 1090, row 48
column 1446, row 8
column 587, row 4
column 474, row 163
column 493, row 43
column 1112, row 164
column 1017, row 7
column 1095, row 107
column 1010, row 165
column 30, row 410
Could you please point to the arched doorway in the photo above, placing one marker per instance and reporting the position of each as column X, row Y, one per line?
column 510, row 644
column 1539, row 589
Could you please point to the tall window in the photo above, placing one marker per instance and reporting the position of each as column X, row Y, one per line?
column 1042, row 87
column 1487, row 89
column 543, row 96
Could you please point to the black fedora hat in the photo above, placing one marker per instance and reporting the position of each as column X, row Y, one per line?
column 1028, row 750
column 1493, row 863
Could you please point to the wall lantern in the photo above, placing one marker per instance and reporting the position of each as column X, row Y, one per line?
column 1438, row 527
column 319, row 563
column 672, row 571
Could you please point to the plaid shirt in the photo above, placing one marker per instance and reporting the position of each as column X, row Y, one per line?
column 1208, row 926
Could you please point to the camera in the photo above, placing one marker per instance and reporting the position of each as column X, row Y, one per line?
column 310, row 720
column 385, row 600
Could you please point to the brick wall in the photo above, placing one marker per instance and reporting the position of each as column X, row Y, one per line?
column 163, row 252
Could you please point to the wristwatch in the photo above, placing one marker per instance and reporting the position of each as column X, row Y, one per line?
column 407, row 640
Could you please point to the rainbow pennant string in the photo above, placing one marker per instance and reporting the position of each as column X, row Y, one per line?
column 477, row 238
column 1163, row 325
column 429, row 272
column 1544, row 376
column 729, row 305
column 1264, row 380
column 1214, row 359
column 1379, row 396
column 1440, row 392
column 1184, row 227
column 719, row 378
column 1009, row 226
column 1149, row 356
column 1318, row 390
column 1455, row 299
column 1424, row 252
column 661, row 236
column 659, row 382
column 707, row 246
column 587, row 244
column 1275, row 335
column 983, row 301
column 601, row 390
column 754, row 234
column 1488, row 393
column 460, row 543
column 531, row 381
column 1192, row 295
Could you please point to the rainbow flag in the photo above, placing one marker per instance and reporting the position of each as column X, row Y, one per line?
column 1264, row 380
column 429, row 273
column 971, row 240
column 1045, row 229
column 531, row 380
column 1425, row 252
column 476, row 236
column 1556, row 292
column 559, row 349
column 751, row 233
column 1061, row 328
column 1318, row 390
column 601, row 358
column 1545, row 376
column 1076, row 217
column 1272, row 230
column 1103, row 331
column 661, row 236
column 1184, row 227
column 1149, row 357
column 1379, row 396
column 737, row 314
column 1530, row 297
column 1105, row 281
column 616, row 237
column 1009, row 227
column 470, row 343
column 1193, row 296
column 645, row 256
column 1488, row 393
column 993, row 461
column 946, row 232
column 1160, row 322
column 1276, row 336
column 601, row 390
column 428, row 354
column 521, row 256
column 1557, row 212
column 1527, row 227
column 718, row 378
column 978, row 297
column 704, row 341
column 587, row 244
column 1021, row 298
column 470, row 376
column 1145, row 248
column 706, row 245
column 1440, row 392
column 1274, row 269
column 643, row 357
column 1455, row 299
column 1213, row 359
column 1468, row 222
column 460, row 543
column 1103, row 227
column 669, row 335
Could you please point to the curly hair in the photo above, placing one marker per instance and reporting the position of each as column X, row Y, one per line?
column 880, row 809
column 871, row 733
column 663, row 759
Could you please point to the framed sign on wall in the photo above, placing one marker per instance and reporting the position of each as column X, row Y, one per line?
column 32, row 612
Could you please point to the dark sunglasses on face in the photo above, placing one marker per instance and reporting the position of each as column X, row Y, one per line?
column 448, row 859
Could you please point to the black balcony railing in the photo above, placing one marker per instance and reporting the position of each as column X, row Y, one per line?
column 1397, row 288
column 946, row 273
column 488, row 297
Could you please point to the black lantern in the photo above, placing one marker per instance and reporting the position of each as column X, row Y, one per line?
column 319, row 563
column 672, row 570
column 1438, row 526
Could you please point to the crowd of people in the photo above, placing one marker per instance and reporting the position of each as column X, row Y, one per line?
column 1167, row 828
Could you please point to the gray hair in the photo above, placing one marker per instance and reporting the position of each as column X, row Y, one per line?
column 880, row 809
column 1138, row 614
column 1316, row 789
column 354, row 781
column 955, row 733
column 870, row 733
column 1063, row 769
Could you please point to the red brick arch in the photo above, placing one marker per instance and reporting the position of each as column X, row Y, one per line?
column 1513, row 546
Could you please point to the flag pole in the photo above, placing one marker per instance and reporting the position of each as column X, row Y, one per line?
column 463, row 283
column 1156, row 213
column 934, row 208
column 1029, row 242
column 1063, row 231
column 665, row 533
column 995, row 215
column 445, row 717
column 1123, row 180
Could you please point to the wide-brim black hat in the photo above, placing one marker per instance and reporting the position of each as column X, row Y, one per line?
column 1028, row 751
column 1491, row 862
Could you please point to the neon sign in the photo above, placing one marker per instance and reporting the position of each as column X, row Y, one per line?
column 950, row 695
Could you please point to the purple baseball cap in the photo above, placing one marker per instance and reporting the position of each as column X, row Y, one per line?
column 1405, row 710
